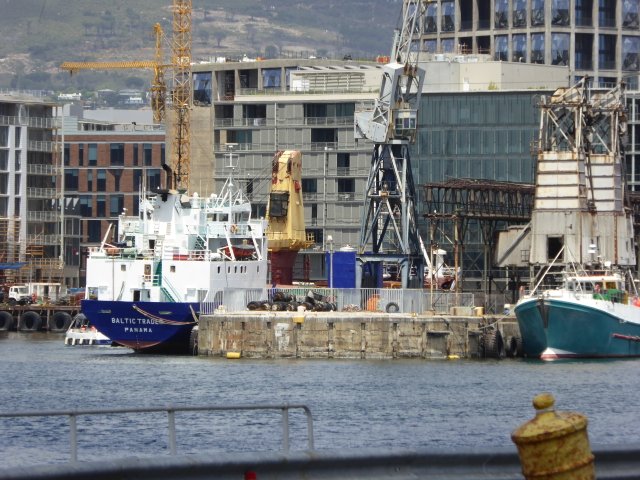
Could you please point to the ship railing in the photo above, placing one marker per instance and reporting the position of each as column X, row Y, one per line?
column 389, row 300
column 196, row 254
column 171, row 411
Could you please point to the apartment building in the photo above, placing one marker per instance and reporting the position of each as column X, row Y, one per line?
column 600, row 38
column 109, row 156
column 39, row 227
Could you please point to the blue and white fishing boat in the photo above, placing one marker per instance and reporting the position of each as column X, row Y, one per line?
column 144, row 291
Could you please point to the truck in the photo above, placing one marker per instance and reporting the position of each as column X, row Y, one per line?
column 33, row 292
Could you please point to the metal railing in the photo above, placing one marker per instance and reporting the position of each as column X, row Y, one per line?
column 171, row 420
column 386, row 300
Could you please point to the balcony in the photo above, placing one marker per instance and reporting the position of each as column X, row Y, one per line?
column 329, row 121
column 242, row 122
column 43, row 216
column 33, row 192
column 42, row 169
column 41, row 146
column 35, row 239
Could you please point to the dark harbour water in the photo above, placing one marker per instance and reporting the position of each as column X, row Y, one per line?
column 405, row 403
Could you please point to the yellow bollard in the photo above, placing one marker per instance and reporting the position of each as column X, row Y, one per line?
column 554, row 445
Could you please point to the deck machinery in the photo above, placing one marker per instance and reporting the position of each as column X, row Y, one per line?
column 389, row 219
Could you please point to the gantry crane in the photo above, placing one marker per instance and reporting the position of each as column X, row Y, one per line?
column 180, row 99
column 389, row 220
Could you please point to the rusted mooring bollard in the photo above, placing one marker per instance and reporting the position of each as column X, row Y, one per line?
column 554, row 445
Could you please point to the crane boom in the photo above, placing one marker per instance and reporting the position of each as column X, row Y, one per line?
column 158, row 87
column 389, row 219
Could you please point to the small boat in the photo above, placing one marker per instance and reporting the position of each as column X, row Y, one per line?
column 81, row 332
column 591, row 314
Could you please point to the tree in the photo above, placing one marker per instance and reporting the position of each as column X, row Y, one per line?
column 220, row 34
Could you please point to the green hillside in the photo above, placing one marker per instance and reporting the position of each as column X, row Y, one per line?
column 38, row 35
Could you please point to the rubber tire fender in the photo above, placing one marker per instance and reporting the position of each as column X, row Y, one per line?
column 392, row 307
column 30, row 321
column 6, row 321
column 60, row 322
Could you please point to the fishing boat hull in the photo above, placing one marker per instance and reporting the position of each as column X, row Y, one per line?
column 150, row 327
column 553, row 328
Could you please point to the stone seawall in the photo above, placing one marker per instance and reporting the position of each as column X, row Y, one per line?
column 347, row 335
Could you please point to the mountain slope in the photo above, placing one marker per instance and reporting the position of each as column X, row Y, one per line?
column 38, row 35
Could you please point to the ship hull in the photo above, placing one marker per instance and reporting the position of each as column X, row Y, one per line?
column 554, row 328
column 150, row 327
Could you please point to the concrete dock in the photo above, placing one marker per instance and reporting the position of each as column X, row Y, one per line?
column 354, row 335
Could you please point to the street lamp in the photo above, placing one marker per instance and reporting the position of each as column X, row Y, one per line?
column 330, row 242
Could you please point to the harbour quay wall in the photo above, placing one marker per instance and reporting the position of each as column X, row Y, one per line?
column 353, row 335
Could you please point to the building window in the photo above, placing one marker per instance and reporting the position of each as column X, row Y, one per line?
column 148, row 154
column 86, row 207
column 136, row 159
column 18, row 137
column 501, row 17
column 117, row 154
column 100, row 206
column 67, row 154
column 202, row 88
column 271, row 78
column 519, row 48
column 431, row 18
column 448, row 16
column 309, row 185
column 327, row 137
column 630, row 49
column 501, row 48
column 537, row 48
column 89, row 180
column 153, row 179
column 94, row 230
column 607, row 13
column 101, row 180
column 137, row 179
column 584, row 15
column 560, row 49
column 346, row 188
column 430, row 46
column 71, row 179
column 583, row 51
column 4, row 160
column 4, row 137
column 630, row 11
column 81, row 155
column 520, row 13
column 537, row 13
column 448, row 45
column 343, row 162
column 560, row 12
column 93, row 154
column 607, row 52
column 116, row 204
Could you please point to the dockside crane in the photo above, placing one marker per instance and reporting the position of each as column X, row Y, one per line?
column 389, row 219
column 180, row 94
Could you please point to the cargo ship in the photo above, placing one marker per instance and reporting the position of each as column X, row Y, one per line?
column 144, row 290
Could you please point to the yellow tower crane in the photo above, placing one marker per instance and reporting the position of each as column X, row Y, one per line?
column 180, row 99
column 158, row 87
